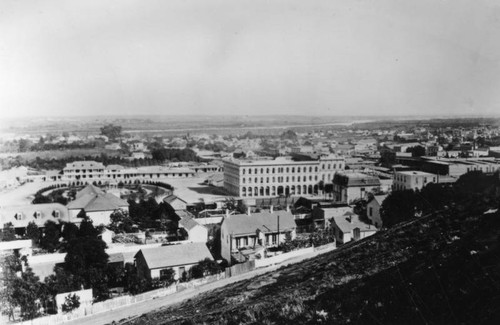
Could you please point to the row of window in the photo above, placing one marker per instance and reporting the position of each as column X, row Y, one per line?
column 246, row 241
column 274, row 170
column 280, row 179
column 36, row 215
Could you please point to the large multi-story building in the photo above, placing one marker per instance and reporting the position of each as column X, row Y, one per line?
column 280, row 176
column 88, row 172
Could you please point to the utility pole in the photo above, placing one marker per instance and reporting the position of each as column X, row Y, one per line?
column 278, row 231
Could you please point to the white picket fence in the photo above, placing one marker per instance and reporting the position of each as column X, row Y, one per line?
column 119, row 302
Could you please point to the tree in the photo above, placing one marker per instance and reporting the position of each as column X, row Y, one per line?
column 69, row 232
column 121, row 221
column 205, row 267
column 50, row 238
column 22, row 291
column 71, row 302
column 133, row 283
column 111, row 131
column 86, row 259
column 33, row 232
column 7, row 233
column 61, row 281
column 399, row 206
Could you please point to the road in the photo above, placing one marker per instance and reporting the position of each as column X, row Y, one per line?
column 162, row 302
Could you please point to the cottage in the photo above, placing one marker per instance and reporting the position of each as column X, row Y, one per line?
column 264, row 229
column 153, row 263
column 348, row 227
column 195, row 232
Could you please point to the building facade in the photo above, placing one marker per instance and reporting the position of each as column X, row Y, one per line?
column 350, row 186
column 280, row 176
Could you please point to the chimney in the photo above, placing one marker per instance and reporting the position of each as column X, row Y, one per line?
column 287, row 208
column 271, row 209
column 227, row 213
column 248, row 211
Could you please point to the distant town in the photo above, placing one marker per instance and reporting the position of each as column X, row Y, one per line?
column 105, row 218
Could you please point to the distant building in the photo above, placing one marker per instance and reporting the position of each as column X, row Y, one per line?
column 373, row 209
column 349, row 186
column 348, row 227
column 281, row 176
column 89, row 172
column 265, row 229
column 152, row 263
column 412, row 180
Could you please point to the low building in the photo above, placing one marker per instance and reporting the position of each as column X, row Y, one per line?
column 350, row 186
column 152, row 263
column 21, row 216
column 97, row 205
column 195, row 232
column 175, row 202
column 373, row 209
column 322, row 216
column 349, row 227
column 266, row 229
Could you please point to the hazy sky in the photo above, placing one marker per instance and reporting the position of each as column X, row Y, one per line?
column 86, row 57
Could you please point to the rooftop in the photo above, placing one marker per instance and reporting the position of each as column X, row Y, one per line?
column 173, row 255
column 240, row 224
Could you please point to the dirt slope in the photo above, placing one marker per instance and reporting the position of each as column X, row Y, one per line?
column 440, row 269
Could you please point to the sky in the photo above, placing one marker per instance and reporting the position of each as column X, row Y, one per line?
column 249, row 57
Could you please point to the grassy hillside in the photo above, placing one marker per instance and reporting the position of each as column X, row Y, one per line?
column 439, row 269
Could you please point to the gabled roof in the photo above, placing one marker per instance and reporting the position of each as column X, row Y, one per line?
column 379, row 198
column 188, row 223
column 240, row 224
column 174, row 255
column 96, row 202
column 89, row 189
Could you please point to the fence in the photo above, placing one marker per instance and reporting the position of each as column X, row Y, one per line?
column 240, row 268
column 119, row 302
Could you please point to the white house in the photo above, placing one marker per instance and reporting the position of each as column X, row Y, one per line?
column 348, row 227
column 152, row 263
column 196, row 232
column 175, row 202
column 263, row 229
column 373, row 209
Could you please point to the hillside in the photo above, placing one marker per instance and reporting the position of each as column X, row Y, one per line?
column 439, row 269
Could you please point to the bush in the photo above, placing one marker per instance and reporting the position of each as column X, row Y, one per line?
column 71, row 302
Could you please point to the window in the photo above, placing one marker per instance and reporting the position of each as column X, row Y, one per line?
column 287, row 169
column 273, row 170
column 310, row 169
column 243, row 171
column 298, row 169
column 243, row 180
column 38, row 215
column 262, row 170
column 370, row 212
column 293, row 169
column 275, row 238
column 246, row 241
column 56, row 214
column 249, row 170
column 256, row 180
column 19, row 216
